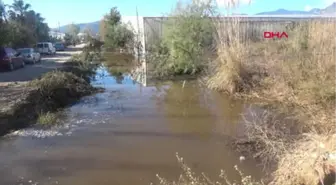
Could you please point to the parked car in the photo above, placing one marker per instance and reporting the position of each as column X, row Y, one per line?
column 46, row 48
column 59, row 46
column 10, row 59
column 30, row 55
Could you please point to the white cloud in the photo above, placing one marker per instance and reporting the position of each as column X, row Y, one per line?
column 307, row 8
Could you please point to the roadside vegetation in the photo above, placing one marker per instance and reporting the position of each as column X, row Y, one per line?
column 21, row 26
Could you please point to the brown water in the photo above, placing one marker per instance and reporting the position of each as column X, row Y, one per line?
column 127, row 135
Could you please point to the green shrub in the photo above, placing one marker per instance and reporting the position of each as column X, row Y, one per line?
column 117, row 34
column 186, row 41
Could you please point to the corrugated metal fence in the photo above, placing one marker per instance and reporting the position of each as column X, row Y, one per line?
column 248, row 28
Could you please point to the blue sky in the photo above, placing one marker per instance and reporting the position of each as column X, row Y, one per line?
column 81, row 11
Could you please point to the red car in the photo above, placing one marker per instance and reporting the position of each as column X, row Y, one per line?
column 10, row 59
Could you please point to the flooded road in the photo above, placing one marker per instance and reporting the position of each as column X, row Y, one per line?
column 128, row 134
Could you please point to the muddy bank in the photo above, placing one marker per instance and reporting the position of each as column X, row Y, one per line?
column 54, row 90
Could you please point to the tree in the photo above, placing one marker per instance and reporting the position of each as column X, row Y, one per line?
column 72, row 34
column 114, row 17
column 67, row 39
column 18, row 10
column 73, row 29
column 119, row 36
column 22, row 27
column 116, row 34
column 3, row 25
column 2, row 12
column 88, row 33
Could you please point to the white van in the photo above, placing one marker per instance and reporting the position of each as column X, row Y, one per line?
column 46, row 48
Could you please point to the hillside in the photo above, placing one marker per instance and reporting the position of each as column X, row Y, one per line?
column 93, row 26
column 329, row 10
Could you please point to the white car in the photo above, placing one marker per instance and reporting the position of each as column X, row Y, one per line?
column 46, row 48
column 30, row 55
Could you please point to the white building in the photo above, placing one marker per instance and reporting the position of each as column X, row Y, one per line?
column 56, row 34
column 137, row 24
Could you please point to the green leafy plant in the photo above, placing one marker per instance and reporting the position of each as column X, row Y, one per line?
column 186, row 41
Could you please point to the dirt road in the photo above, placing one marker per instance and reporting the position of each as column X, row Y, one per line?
column 30, row 72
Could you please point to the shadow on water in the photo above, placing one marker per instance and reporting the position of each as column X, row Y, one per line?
column 129, row 133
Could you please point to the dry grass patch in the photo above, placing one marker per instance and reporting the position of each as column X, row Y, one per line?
column 300, row 69
column 188, row 177
column 227, row 72
column 309, row 161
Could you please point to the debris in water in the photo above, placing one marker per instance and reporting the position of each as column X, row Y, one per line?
column 241, row 158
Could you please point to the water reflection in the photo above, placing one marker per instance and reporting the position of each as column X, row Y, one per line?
column 228, row 113
column 185, row 109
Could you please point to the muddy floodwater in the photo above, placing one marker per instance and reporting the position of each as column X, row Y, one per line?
column 128, row 134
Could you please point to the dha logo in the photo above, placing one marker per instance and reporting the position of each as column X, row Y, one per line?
column 271, row 35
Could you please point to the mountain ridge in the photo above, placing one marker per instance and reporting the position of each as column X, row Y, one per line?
column 329, row 10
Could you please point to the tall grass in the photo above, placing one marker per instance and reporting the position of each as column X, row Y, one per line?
column 227, row 72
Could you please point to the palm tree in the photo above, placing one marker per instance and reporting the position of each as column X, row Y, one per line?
column 20, row 7
column 2, row 12
column 18, row 10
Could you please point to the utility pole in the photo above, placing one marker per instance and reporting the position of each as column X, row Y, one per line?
column 59, row 31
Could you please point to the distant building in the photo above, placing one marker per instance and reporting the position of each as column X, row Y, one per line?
column 81, row 36
column 56, row 34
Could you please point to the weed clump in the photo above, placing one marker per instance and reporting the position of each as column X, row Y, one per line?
column 57, row 89
column 188, row 177
column 47, row 118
